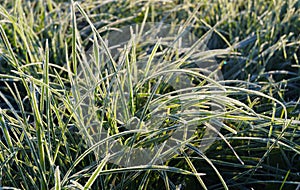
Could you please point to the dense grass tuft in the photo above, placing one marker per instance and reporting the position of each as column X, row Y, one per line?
column 219, row 112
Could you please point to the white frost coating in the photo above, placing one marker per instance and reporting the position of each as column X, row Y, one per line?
column 122, row 40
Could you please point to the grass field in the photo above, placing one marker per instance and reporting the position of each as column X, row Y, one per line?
column 194, row 94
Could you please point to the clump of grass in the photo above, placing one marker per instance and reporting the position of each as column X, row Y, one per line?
column 51, row 135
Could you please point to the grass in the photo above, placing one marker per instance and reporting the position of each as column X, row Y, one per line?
column 212, row 102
